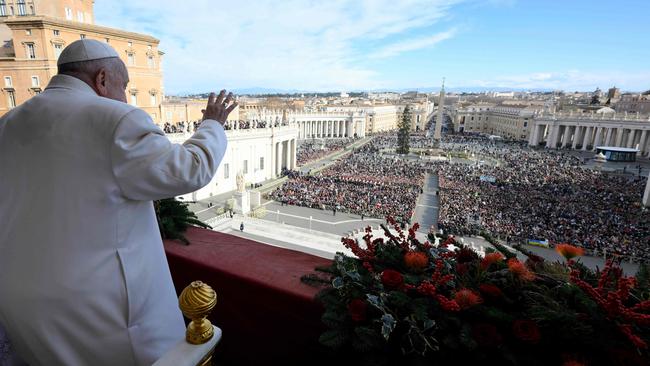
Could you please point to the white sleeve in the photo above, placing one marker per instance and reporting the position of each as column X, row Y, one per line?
column 147, row 166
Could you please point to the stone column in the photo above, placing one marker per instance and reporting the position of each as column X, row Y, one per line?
column 273, row 158
column 295, row 154
column 598, row 138
column 576, row 136
column 533, row 140
column 619, row 136
column 643, row 142
column 280, row 156
column 567, row 136
column 608, row 137
column 551, row 136
column 587, row 138
column 630, row 138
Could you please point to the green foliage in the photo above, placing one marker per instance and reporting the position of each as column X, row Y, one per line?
column 385, row 309
column 595, row 100
column 404, row 131
column 174, row 217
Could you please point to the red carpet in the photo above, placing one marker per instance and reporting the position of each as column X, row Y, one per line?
column 267, row 315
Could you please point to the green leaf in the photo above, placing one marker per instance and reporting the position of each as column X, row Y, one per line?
column 333, row 319
column 388, row 325
column 398, row 299
column 428, row 324
column 333, row 338
column 366, row 339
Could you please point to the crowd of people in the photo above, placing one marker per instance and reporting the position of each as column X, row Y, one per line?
column 363, row 183
column 543, row 195
column 181, row 127
column 310, row 151
column 189, row 126
column 506, row 189
column 388, row 140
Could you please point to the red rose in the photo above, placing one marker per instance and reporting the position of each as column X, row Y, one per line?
column 357, row 309
column 526, row 330
column 486, row 335
column 392, row 279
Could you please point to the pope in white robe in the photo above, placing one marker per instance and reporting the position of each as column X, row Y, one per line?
column 83, row 275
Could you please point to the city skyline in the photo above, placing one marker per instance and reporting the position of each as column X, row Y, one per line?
column 380, row 45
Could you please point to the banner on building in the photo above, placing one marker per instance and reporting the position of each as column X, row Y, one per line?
column 538, row 243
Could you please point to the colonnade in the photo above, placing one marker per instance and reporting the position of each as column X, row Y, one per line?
column 589, row 136
column 323, row 129
column 284, row 156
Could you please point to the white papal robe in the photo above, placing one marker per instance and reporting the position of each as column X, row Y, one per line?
column 83, row 275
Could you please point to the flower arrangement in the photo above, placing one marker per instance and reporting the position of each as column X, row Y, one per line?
column 406, row 302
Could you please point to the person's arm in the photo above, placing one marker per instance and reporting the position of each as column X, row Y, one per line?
column 147, row 166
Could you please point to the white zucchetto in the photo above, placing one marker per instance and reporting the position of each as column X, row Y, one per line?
column 86, row 50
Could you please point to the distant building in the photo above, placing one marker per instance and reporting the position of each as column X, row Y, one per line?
column 35, row 32
column 613, row 93
column 376, row 118
column 175, row 110
column 634, row 103
column 590, row 131
column 506, row 121
column 259, row 154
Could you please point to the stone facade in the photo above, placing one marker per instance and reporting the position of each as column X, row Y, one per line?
column 505, row 121
column 258, row 153
column 587, row 131
column 174, row 111
column 634, row 103
column 34, row 40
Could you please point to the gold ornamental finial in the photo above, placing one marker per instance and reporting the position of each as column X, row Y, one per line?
column 196, row 302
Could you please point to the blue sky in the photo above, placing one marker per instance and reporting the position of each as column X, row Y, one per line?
column 339, row 45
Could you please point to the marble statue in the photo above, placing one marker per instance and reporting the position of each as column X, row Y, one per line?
column 240, row 182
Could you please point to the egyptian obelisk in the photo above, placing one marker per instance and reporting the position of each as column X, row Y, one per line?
column 438, row 132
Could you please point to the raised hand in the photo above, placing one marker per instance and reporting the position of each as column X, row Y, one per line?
column 219, row 108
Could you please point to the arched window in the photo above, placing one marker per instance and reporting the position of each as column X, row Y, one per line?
column 3, row 8
column 21, row 7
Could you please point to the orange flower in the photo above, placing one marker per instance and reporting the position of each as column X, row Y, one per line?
column 519, row 270
column 416, row 261
column 467, row 298
column 490, row 259
column 569, row 251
